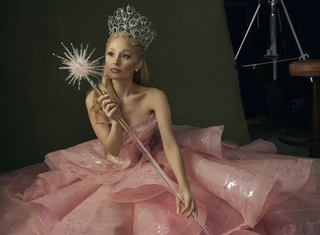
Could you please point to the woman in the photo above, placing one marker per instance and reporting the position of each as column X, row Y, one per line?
column 124, row 64
column 105, row 186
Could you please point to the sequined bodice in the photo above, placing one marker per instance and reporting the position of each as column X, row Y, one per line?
column 130, row 153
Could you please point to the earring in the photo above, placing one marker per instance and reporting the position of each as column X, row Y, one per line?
column 136, row 70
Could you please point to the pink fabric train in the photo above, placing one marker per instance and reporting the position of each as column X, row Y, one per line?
column 239, row 190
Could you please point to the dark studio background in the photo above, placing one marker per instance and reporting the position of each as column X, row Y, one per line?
column 285, row 102
column 42, row 113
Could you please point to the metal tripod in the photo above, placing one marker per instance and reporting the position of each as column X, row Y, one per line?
column 272, row 53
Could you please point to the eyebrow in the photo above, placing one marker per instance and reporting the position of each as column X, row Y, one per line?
column 122, row 51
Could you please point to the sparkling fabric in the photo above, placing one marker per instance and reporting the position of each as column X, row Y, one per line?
column 239, row 189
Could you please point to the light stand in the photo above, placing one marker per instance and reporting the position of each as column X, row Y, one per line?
column 272, row 51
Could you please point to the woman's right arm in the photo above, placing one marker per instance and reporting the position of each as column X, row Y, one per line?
column 109, row 133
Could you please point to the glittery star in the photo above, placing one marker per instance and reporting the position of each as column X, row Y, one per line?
column 79, row 65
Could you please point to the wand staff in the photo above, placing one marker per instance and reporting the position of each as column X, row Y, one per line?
column 80, row 67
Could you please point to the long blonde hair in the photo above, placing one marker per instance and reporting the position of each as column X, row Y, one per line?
column 141, row 77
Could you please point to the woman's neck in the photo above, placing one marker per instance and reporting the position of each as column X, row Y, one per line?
column 124, row 88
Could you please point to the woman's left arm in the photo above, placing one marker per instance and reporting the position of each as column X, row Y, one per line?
column 160, row 105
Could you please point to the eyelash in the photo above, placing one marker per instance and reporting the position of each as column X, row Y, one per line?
column 124, row 56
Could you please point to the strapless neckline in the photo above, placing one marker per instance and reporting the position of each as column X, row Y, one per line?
column 141, row 119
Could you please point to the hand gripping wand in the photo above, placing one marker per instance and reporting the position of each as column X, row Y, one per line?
column 80, row 67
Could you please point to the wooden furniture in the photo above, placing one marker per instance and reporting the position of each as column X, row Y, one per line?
column 307, row 69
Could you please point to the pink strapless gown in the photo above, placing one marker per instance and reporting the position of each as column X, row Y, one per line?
column 239, row 190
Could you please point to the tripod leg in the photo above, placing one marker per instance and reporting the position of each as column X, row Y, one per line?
column 303, row 56
column 293, row 31
column 245, row 36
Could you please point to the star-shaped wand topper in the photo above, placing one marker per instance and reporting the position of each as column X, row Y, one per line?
column 79, row 65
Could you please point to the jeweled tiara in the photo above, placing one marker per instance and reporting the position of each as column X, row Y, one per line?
column 133, row 24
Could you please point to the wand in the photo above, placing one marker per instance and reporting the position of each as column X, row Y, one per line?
column 80, row 67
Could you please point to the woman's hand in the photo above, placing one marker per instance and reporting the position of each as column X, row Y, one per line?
column 109, row 107
column 190, row 204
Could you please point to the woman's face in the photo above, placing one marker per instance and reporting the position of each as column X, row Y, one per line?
column 121, row 59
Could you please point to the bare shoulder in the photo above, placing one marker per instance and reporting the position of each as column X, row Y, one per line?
column 156, row 99
column 155, row 94
column 90, row 99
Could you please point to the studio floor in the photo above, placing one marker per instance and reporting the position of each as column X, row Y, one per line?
column 269, row 131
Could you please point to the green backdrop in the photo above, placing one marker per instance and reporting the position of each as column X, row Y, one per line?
column 191, row 60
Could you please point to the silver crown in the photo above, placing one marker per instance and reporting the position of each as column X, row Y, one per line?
column 133, row 24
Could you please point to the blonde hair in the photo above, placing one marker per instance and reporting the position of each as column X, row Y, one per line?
column 141, row 77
